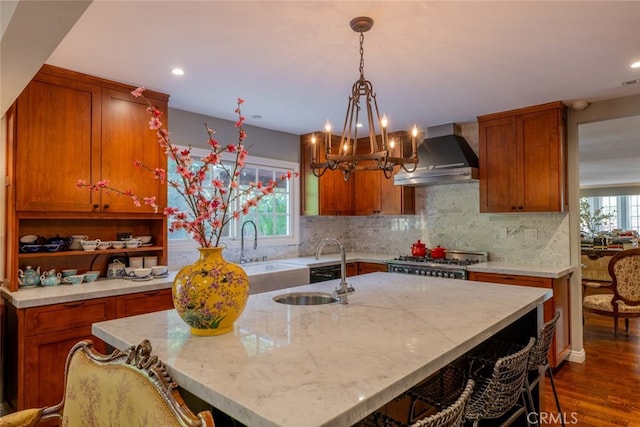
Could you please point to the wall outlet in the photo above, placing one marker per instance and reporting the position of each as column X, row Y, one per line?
column 503, row 233
column 531, row 234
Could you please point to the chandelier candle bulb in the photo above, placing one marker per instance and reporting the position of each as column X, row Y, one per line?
column 383, row 125
column 313, row 148
column 414, row 148
column 327, row 136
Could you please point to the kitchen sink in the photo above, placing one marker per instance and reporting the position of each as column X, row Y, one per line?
column 305, row 298
column 273, row 275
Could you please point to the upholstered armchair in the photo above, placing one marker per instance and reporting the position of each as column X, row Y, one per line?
column 624, row 269
column 125, row 388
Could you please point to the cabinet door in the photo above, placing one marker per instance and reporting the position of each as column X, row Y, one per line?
column 126, row 138
column 368, row 192
column 329, row 194
column 57, row 143
column 523, row 160
column 45, row 362
column 351, row 269
column 397, row 199
column 498, row 165
column 540, row 186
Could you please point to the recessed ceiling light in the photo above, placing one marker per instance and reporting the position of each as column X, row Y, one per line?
column 177, row 72
column 635, row 64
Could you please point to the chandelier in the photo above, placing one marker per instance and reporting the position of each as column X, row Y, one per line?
column 352, row 153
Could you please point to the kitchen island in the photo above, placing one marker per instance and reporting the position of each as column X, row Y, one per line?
column 331, row 364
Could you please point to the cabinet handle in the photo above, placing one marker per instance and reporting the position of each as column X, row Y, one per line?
column 150, row 294
column 73, row 305
column 96, row 206
column 508, row 278
column 106, row 206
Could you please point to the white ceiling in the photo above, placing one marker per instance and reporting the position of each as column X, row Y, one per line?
column 431, row 62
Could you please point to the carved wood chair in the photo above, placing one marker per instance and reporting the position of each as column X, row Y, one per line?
column 624, row 269
column 126, row 388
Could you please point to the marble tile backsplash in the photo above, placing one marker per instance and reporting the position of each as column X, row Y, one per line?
column 446, row 215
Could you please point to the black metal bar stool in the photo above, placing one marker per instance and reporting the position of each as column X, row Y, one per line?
column 496, row 393
column 451, row 415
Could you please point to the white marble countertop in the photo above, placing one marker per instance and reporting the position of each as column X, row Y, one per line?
column 332, row 258
column 328, row 365
column 63, row 293
column 521, row 269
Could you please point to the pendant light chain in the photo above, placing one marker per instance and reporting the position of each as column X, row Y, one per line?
column 362, row 55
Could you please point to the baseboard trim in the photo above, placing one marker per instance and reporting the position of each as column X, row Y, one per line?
column 577, row 356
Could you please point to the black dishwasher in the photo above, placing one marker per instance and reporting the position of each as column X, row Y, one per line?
column 324, row 273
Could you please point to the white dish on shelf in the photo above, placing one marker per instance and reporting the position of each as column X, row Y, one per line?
column 142, row 279
column 144, row 245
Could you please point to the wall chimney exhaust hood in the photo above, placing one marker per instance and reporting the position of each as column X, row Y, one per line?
column 445, row 157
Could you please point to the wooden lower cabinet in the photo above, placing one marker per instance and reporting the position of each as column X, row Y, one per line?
column 38, row 339
column 352, row 269
column 143, row 302
column 561, row 346
column 371, row 267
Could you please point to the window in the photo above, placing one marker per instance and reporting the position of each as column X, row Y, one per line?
column 276, row 216
column 625, row 208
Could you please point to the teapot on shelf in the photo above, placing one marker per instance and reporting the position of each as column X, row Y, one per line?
column 50, row 278
column 418, row 249
column 29, row 276
column 63, row 242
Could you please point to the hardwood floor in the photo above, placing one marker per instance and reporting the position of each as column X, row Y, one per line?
column 605, row 389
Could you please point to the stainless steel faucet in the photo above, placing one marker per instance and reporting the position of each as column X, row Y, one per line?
column 243, row 258
column 343, row 292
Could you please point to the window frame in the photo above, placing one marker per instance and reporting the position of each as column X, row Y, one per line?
column 252, row 162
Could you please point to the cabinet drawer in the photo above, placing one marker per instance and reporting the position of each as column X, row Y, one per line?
column 370, row 267
column 144, row 302
column 510, row 279
column 58, row 317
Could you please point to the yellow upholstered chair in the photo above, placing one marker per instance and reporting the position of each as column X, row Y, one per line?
column 125, row 388
column 624, row 269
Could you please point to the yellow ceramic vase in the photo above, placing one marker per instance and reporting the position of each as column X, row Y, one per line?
column 210, row 294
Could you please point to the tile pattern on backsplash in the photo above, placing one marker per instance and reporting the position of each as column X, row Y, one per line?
column 446, row 215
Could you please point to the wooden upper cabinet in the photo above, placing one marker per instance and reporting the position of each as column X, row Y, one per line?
column 71, row 126
column 365, row 193
column 378, row 195
column 329, row 194
column 523, row 160
column 58, row 132
column 126, row 138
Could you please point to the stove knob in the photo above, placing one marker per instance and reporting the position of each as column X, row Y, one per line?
column 439, row 273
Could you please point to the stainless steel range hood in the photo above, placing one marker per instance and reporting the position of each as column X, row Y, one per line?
column 445, row 157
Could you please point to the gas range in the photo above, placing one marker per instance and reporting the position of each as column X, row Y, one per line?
column 453, row 266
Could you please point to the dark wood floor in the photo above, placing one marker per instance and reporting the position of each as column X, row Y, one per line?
column 605, row 389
